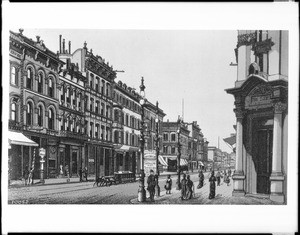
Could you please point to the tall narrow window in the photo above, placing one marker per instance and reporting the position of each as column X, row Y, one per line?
column 91, row 129
column 116, row 137
column 107, row 137
column 108, row 89
column 97, row 84
column 92, row 105
column 102, row 108
column 13, row 115
column 68, row 95
column 40, row 83
column 97, row 131
column 102, row 87
column 51, row 119
column 50, row 88
column 29, row 116
column 29, row 78
column 13, row 76
column 92, row 81
column 102, row 132
column 40, row 115
column 97, row 107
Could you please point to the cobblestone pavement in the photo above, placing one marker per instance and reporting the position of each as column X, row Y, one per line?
column 78, row 193
column 85, row 193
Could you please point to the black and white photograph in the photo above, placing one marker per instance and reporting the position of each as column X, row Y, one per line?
column 128, row 123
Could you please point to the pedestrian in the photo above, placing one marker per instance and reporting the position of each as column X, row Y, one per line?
column 80, row 174
column 190, row 188
column 226, row 179
column 30, row 176
column 86, row 173
column 183, row 187
column 168, row 185
column 26, row 175
column 218, row 176
column 67, row 173
column 229, row 172
column 212, row 186
column 151, row 185
column 201, row 179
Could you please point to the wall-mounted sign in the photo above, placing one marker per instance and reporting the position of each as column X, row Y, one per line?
column 42, row 152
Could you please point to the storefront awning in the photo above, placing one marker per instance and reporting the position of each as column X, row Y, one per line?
column 183, row 162
column 20, row 139
column 171, row 157
column 200, row 163
column 162, row 161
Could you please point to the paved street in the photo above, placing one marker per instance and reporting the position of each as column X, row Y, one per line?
column 85, row 193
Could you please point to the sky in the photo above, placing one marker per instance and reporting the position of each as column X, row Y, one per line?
column 178, row 66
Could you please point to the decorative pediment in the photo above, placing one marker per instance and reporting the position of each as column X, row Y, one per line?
column 259, row 97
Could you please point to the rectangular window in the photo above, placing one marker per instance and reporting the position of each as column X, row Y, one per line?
column 166, row 137
column 91, row 129
column 173, row 137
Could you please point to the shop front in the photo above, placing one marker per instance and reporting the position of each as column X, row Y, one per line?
column 20, row 154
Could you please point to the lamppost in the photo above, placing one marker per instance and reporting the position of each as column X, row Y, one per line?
column 179, row 154
column 157, row 188
column 141, row 190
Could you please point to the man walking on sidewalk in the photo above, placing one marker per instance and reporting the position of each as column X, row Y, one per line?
column 80, row 174
column 151, row 185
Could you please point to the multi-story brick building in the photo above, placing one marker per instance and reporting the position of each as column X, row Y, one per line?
column 34, row 103
column 126, row 127
column 71, row 114
column 170, row 143
column 97, row 108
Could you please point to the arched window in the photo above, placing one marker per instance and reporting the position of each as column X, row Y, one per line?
column 40, row 83
column 173, row 137
column 102, row 87
column 29, row 78
column 29, row 116
column 51, row 88
column 108, row 89
column 13, row 76
column 13, row 114
column 40, row 115
column 173, row 150
column 51, row 119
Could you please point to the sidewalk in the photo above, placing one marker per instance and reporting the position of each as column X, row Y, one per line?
column 223, row 197
column 51, row 181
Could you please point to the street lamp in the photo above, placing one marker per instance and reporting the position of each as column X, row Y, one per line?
column 157, row 188
column 179, row 155
column 141, row 190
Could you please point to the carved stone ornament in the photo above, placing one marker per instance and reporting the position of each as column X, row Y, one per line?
column 263, row 46
column 246, row 39
column 239, row 113
column 280, row 107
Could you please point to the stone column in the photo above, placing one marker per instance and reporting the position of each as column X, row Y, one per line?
column 239, row 176
column 277, row 176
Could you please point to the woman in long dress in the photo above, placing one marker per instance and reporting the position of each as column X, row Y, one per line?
column 201, row 179
column 183, row 187
column 190, row 188
column 212, row 186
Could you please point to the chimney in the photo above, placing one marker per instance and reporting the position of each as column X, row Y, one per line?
column 38, row 38
column 63, row 46
column 60, row 43
column 69, row 47
column 21, row 31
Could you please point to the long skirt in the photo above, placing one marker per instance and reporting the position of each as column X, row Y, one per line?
column 189, row 194
column 212, row 190
column 200, row 185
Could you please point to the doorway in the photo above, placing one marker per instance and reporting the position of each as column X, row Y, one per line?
column 262, row 146
column 74, row 163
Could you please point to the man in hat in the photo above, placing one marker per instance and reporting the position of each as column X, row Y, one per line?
column 151, row 185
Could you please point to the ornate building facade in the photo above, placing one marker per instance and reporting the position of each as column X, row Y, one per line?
column 261, row 100
column 34, row 104
column 126, row 127
column 98, row 150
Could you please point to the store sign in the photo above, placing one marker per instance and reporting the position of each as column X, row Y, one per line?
column 91, row 160
column 42, row 152
column 149, row 162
